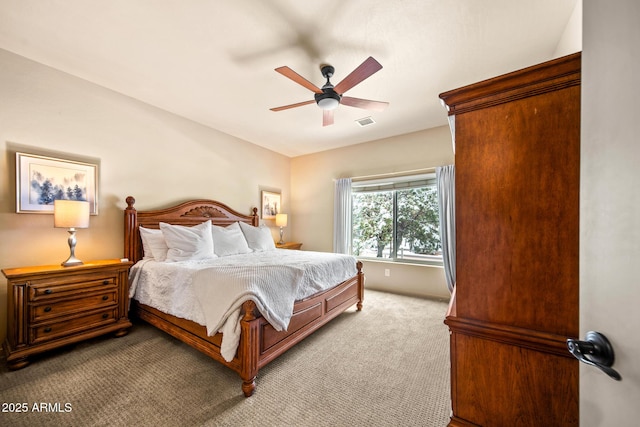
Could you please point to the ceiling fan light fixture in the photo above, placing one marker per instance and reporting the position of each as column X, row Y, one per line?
column 328, row 101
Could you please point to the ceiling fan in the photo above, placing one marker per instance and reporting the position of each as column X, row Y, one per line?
column 329, row 97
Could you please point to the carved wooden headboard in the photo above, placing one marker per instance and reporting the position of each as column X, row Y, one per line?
column 189, row 213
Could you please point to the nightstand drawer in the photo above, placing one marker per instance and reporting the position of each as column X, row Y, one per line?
column 49, row 309
column 69, row 326
column 47, row 289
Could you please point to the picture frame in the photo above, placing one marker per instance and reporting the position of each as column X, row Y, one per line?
column 40, row 180
column 270, row 204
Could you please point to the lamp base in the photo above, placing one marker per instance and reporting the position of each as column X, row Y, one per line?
column 281, row 242
column 72, row 260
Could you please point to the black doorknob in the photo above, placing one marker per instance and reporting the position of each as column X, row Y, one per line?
column 595, row 351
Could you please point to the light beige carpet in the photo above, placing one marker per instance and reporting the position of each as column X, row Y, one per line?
column 387, row 365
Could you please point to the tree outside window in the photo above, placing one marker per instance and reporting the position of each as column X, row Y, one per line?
column 400, row 224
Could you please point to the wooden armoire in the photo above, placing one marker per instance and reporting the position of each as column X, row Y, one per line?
column 517, row 177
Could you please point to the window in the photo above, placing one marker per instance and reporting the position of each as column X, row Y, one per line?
column 397, row 219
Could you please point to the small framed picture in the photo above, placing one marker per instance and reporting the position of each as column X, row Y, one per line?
column 40, row 180
column 270, row 204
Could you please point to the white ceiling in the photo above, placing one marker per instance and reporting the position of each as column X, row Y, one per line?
column 213, row 61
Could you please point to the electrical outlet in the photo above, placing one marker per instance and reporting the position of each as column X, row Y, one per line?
column 387, row 272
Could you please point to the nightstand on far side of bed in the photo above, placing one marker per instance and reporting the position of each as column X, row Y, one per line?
column 289, row 245
column 52, row 306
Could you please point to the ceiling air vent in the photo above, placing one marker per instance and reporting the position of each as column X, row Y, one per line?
column 365, row 121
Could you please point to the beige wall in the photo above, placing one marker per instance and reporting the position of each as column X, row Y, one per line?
column 142, row 151
column 312, row 183
column 571, row 39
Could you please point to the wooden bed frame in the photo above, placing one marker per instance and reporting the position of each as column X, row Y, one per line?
column 260, row 343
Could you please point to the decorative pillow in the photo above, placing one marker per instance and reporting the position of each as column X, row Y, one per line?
column 188, row 243
column 258, row 238
column 229, row 240
column 153, row 244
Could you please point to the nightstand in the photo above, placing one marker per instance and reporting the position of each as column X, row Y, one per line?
column 52, row 306
column 289, row 245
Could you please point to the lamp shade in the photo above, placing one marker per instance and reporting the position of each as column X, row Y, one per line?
column 281, row 220
column 70, row 214
column 328, row 103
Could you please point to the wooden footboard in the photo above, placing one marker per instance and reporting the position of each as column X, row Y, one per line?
column 260, row 343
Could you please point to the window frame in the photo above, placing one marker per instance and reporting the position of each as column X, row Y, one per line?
column 394, row 185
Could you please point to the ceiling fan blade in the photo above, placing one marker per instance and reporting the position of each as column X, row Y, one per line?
column 288, row 72
column 364, row 70
column 364, row 103
column 327, row 117
column 299, row 104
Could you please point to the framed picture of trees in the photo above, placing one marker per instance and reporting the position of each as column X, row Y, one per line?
column 40, row 180
column 270, row 204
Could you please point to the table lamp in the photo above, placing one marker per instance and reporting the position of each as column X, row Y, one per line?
column 71, row 214
column 281, row 221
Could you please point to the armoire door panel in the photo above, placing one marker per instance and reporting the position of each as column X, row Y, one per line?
column 518, row 200
column 495, row 389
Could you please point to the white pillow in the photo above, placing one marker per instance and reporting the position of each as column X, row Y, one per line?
column 188, row 243
column 153, row 244
column 258, row 238
column 229, row 240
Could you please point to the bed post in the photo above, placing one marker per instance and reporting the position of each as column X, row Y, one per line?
column 249, row 346
column 131, row 231
column 360, row 286
column 255, row 221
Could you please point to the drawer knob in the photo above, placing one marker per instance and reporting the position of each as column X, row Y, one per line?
column 105, row 315
column 48, row 291
column 106, row 282
column 47, row 329
column 105, row 297
column 47, row 309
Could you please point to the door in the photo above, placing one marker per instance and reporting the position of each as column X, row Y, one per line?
column 610, row 208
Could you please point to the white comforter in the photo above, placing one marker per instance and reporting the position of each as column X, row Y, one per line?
column 210, row 292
